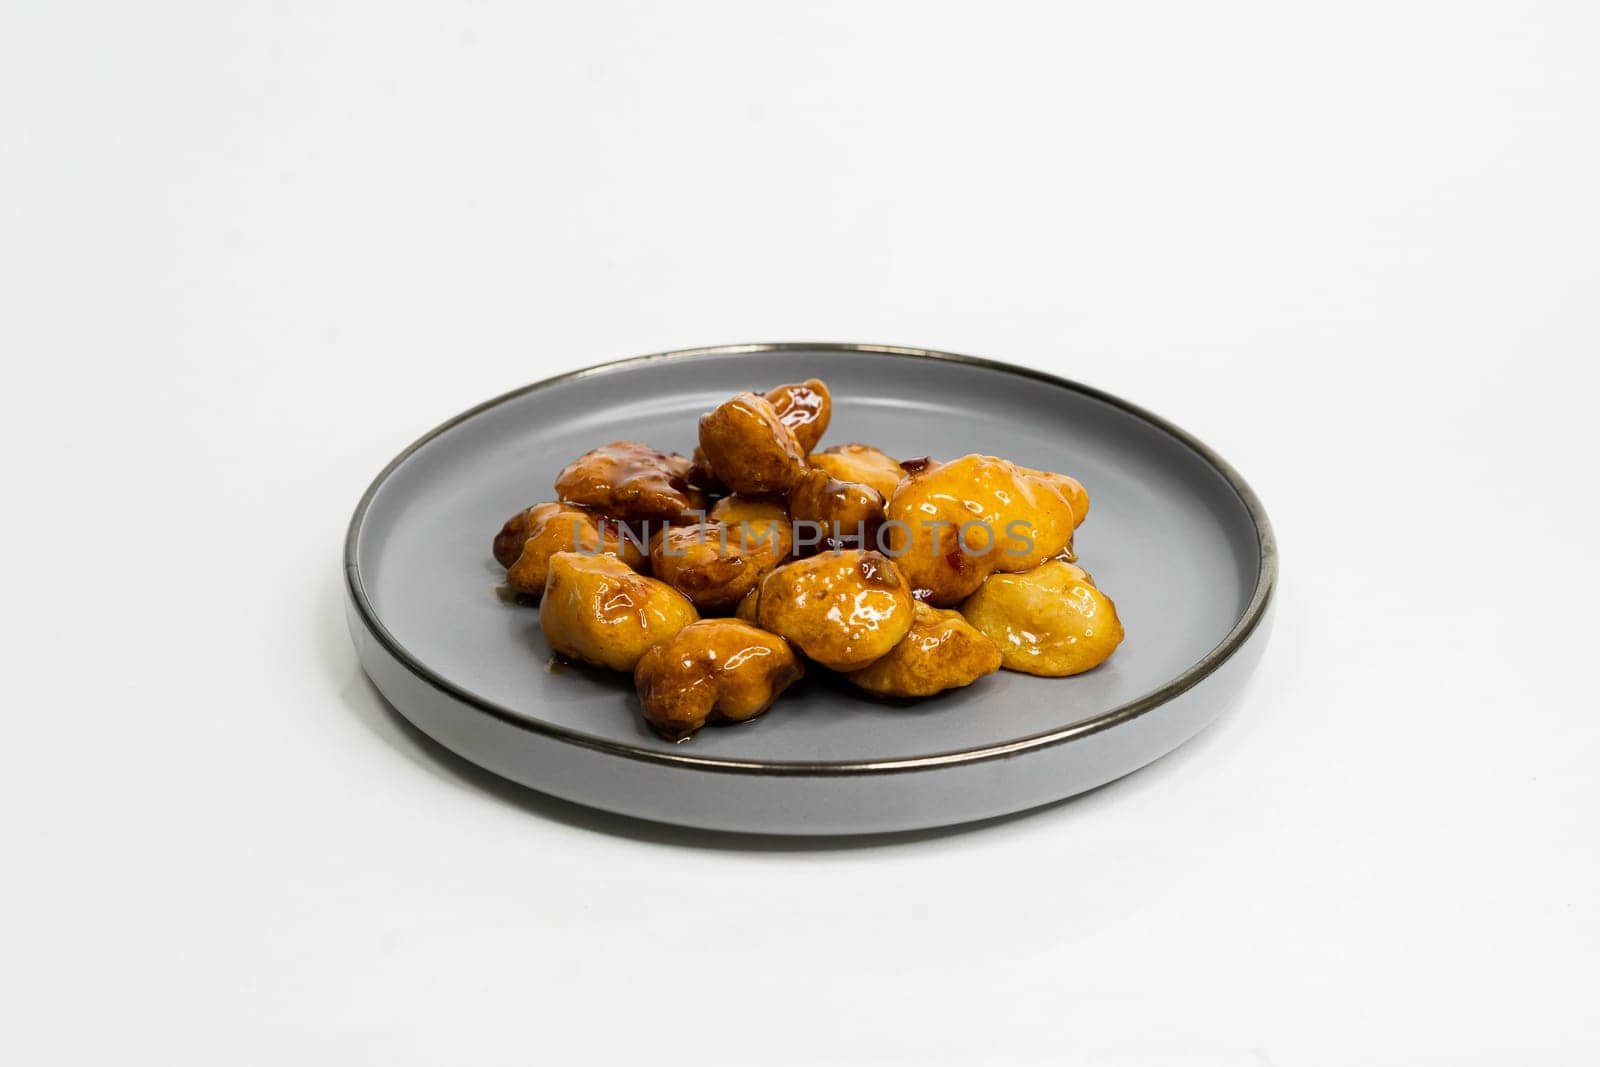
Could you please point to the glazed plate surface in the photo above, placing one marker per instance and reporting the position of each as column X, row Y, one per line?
column 1174, row 536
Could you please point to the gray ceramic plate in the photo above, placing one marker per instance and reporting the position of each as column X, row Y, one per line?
column 1174, row 536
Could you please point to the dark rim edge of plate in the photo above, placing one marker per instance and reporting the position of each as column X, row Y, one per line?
column 1266, row 581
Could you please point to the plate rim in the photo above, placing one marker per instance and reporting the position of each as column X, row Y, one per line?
column 1255, row 610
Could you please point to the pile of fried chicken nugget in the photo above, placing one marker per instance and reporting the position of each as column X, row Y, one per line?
column 715, row 579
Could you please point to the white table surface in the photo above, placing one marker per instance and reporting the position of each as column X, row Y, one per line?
column 251, row 251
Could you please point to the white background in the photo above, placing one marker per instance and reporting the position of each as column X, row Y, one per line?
column 251, row 251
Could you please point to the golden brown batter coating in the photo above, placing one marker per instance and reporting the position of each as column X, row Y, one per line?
column 847, row 511
column 805, row 407
column 1070, row 488
column 715, row 564
column 749, row 447
column 628, row 480
column 597, row 610
column 508, row 542
column 758, row 511
column 861, row 463
column 842, row 609
column 746, row 611
column 532, row 536
column 941, row 652
column 713, row 669
column 953, row 524
column 1050, row 621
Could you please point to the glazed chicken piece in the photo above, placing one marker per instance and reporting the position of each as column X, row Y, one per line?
column 529, row 538
column 941, row 652
column 715, row 669
column 508, row 542
column 597, row 610
column 628, row 480
column 847, row 513
column 805, row 407
column 950, row 525
column 715, row 564
column 760, row 514
column 749, row 447
column 861, row 463
column 1049, row 621
column 842, row 609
